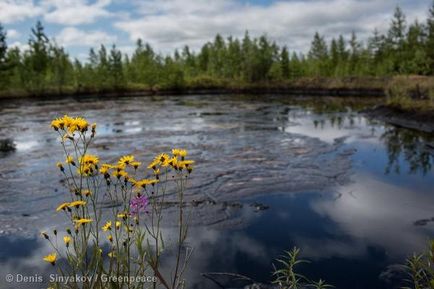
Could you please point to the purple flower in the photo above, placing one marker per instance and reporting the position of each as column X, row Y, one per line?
column 138, row 203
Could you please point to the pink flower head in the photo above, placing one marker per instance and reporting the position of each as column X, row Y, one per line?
column 138, row 203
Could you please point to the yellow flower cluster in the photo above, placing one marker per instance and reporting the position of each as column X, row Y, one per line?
column 88, row 165
column 176, row 161
column 71, row 124
column 125, row 169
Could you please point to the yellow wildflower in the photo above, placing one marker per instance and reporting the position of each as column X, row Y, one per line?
column 154, row 164
column 70, row 160
column 77, row 204
column 89, row 159
column 126, row 159
column 81, row 123
column 67, row 240
column 82, row 221
column 163, row 159
column 179, row 152
column 112, row 255
column 121, row 167
column 107, row 226
column 118, row 225
column 122, row 215
column 105, row 168
column 85, row 170
column 123, row 174
column 144, row 182
column 62, row 207
column 135, row 165
column 110, row 238
column 51, row 258
column 74, row 124
column 58, row 123
column 119, row 174
column 60, row 166
column 67, row 120
column 185, row 164
column 174, row 162
column 86, row 193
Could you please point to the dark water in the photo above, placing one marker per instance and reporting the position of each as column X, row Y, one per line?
column 355, row 195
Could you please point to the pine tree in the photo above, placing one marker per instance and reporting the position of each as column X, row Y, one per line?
column 115, row 68
column 318, row 55
column 284, row 62
column 414, row 54
column 342, row 49
column 396, row 38
column 334, row 56
column 3, row 45
column 3, row 59
column 102, row 76
column 429, row 50
column 36, row 60
column 355, row 51
column 396, row 34
column 234, row 59
column 60, row 67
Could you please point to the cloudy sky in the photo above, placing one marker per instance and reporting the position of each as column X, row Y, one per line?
column 168, row 24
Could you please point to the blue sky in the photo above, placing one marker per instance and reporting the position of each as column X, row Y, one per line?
column 168, row 24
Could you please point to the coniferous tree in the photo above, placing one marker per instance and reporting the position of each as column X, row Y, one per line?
column 115, row 68
column 45, row 66
column 60, row 67
column 355, row 52
column 318, row 55
column 4, row 77
column 396, row 38
column 36, row 61
column 414, row 53
column 429, row 47
column 284, row 62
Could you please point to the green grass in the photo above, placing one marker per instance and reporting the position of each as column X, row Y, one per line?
column 411, row 93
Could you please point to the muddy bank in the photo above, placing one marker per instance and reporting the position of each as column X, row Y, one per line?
column 314, row 90
column 406, row 118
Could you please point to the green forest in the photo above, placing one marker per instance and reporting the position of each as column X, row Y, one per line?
column 45, row 67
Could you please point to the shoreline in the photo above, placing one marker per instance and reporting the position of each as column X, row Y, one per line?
column 412, row 116
column 407, row 118
column 259, row 90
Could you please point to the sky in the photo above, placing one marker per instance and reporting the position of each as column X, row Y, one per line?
column 79, row 25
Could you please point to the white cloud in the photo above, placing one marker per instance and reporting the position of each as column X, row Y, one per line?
column 71, row 36
column 172, row 23
column 75, row 12
column 21, row 46
column 12, row 11
column 13, row 34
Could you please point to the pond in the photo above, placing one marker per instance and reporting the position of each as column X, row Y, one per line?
column 273, row 172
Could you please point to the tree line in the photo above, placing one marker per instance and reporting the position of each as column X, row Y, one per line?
column 46, row 67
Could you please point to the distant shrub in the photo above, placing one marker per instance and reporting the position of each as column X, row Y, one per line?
column 206, row 82
column 411, row 91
